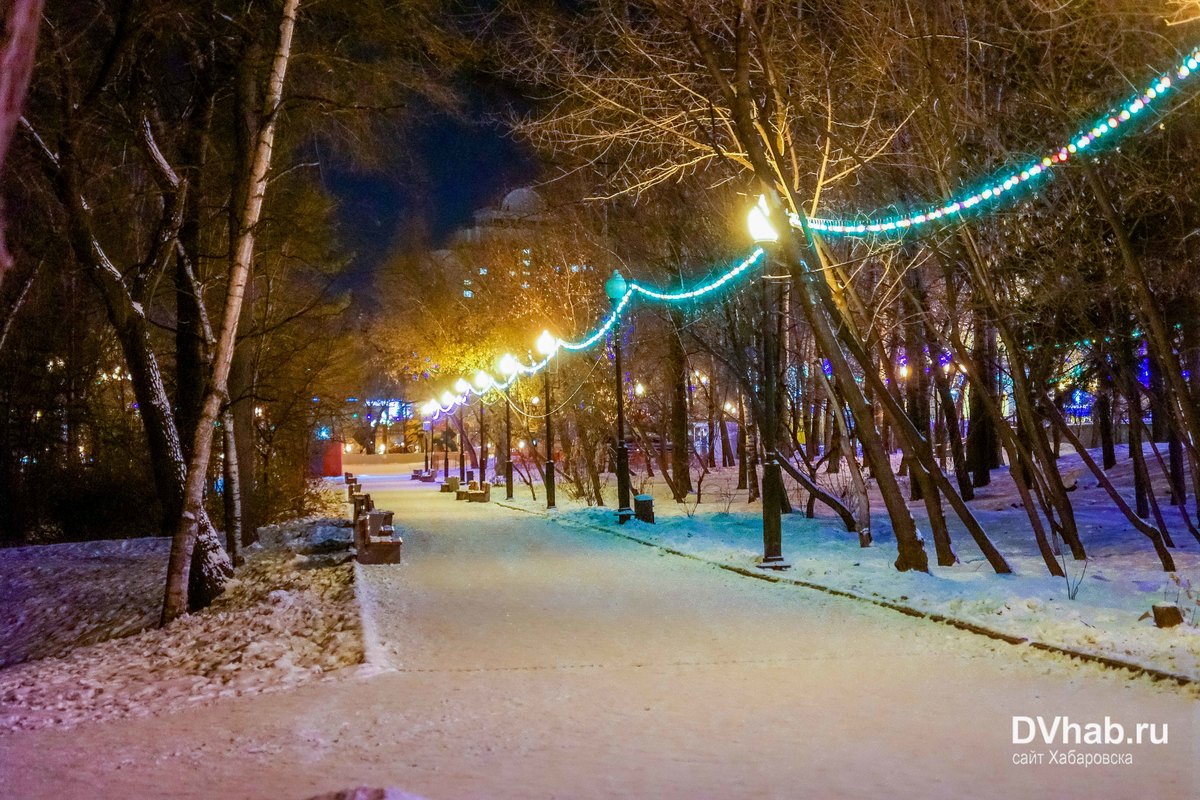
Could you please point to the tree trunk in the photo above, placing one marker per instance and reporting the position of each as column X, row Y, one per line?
column 727, row 459
column 981, row 437
column 677, row 363
column 953, row 431
column 741, row 444
column 232, row 494
column 1133, row 402
column 183, row 542
column 1149, row 531
column 17, row 55
column 1103, row 411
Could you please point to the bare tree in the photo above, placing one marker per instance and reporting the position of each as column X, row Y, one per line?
column 17, row 55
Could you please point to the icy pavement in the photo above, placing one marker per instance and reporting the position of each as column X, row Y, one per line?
column 526, row 660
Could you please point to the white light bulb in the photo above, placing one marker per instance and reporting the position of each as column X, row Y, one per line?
column 759, row 223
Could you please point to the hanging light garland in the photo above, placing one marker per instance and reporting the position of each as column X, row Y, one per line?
column 1103, row 130
column 548, row 344
column 867, row 224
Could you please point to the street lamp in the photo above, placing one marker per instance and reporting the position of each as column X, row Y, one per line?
column 429, row 409
column 761, row 229
column 508, row 368
column 447, row 402
column 547, row 345
column 616, row 288
column 462, row 387
column 765, row 234
column 483, row 382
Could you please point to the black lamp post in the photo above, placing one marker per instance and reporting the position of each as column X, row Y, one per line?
column 616, row 288
column 508, row 368
column 772, row 496
column 482, row 382
column 446, row 400
column 427, row 411
column 462, row 388
column 427, row 440
column 546, row 345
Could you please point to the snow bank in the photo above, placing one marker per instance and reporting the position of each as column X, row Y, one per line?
column 285, row 619
column 41, row 613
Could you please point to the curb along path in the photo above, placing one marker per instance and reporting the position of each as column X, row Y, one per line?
column 962, row 624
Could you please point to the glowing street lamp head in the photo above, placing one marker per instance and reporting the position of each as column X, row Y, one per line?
column 461, row 386
column 639, row 389
column 761, row 230
column 430, row 408
column 904, row 370
column 616, row 287
column 509, row 365
column 482, row 380
column 546, row 343
column 447, row 399
column 535, row 400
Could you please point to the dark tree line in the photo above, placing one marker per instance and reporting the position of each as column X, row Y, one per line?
column 164, row 195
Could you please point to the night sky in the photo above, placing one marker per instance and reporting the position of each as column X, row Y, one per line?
column 444, row 170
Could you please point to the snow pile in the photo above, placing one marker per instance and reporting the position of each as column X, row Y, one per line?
column 307, row 535
column 41, row 613
column 285, row 619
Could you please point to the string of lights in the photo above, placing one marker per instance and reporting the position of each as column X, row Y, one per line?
column 1084, row 140
column 865, row 224
column 548, row 345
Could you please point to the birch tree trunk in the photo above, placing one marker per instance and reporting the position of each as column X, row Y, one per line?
column 233, row 491
column 16, row 65
column 183, row 542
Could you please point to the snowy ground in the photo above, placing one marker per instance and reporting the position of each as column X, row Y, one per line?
column 1122, row 580
column 525, row 658
column 286, row 619
column 40, row 610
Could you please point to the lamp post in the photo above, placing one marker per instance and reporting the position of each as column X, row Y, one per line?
column 428, row 410
column 483, row 382
column 462, row 387
column 616, row 288
column 508, row 368
column 764, row 234
column 546, row 345
column 447, row 399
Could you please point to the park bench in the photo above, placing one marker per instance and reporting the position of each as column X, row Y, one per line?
column 451, row 484
column 375, row 539
column 360, row 505
column 428, row 476
column 481, row 494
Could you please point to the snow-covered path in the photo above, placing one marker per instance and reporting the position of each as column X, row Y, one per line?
column 532, row 660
